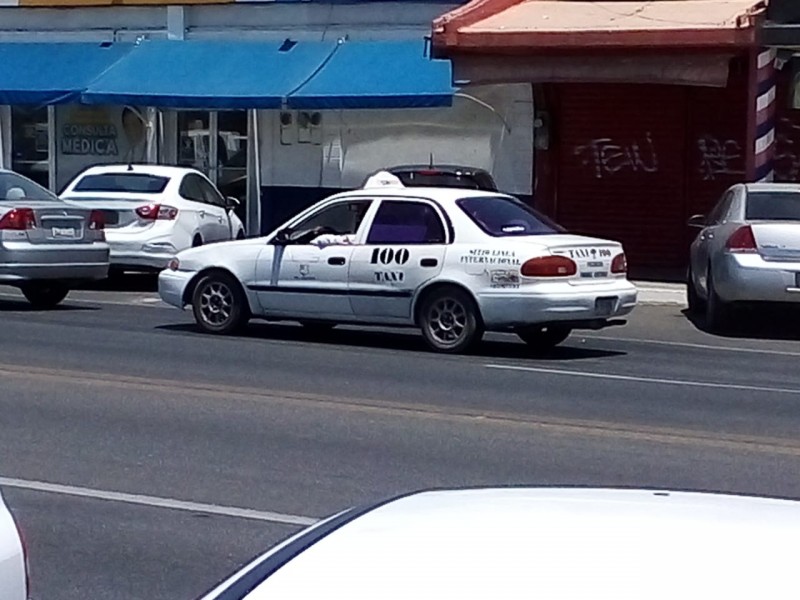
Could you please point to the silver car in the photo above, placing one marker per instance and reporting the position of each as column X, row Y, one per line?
column 46, row 245
column 748, row 250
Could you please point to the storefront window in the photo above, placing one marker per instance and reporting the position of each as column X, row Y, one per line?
column 232, row 154
column 30, row 143
column 193, row 140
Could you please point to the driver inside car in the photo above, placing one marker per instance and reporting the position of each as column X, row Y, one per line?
column 325, row 237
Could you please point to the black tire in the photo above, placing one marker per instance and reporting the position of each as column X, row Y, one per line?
column 45, row 295
column 240, row 235
column 694, row 301
column 317, row 327
column 718, row 312
column 197, row 241
column 450, row 321
column 543, row 338
column 219, row 305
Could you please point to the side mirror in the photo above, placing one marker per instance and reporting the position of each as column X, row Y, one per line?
column 282, row 238
column 697, row 221
column 232, row 202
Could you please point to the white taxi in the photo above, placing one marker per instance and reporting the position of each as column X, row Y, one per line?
column 453, row 262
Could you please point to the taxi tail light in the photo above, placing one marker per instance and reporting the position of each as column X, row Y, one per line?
column 742, row 241
column 549, row 266
column 18, row 219
column 619, row 264
column 153, row 212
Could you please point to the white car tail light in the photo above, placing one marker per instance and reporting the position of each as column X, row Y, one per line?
column 742, row 241
column 18, row 219
column 161, row 212
column 549, row 266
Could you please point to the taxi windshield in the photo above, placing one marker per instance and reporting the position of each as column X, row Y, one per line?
column 503, row 216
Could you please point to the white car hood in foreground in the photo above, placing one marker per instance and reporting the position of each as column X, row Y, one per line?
column 554, row 545
column 12, row 562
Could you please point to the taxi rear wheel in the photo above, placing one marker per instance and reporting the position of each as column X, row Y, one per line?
column 450, row 321
column 219, row 305
column 542, row 338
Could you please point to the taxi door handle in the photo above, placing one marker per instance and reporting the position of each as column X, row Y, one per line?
column 428, row 262
column 336, row 260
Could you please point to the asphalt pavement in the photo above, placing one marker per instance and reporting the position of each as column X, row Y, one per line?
column 145, row 460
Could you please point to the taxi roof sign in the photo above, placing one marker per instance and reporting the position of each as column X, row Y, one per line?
column 383, row 179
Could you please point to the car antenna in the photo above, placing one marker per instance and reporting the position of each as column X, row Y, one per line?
column 430, row 166
column 130, row 165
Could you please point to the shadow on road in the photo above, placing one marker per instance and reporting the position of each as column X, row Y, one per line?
column 130, row 282
column 401, row 340
column 765, row 323
column 25, row 306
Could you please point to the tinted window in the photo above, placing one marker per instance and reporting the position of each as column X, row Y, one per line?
column 406, row 223
column 191, row 190
column 720, row 211
column 16, row 187
column 773, row 206
column 500, row 216
column 342, row 218
column 210, row 195
column 139, row 183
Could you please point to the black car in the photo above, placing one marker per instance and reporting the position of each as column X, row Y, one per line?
column 444, row 176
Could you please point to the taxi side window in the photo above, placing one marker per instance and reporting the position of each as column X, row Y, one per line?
column 406, row 223
column 341, row 218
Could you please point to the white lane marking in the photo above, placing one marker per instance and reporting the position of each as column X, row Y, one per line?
column 681, row 382
column 692, row 345
column 157, row 502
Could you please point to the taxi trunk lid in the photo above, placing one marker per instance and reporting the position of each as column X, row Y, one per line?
column 593, row 256
column 117, row 212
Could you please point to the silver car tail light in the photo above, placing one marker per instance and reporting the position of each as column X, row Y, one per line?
column 742, row 241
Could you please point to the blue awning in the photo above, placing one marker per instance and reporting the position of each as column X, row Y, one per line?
column 208, row 74
column 303, row 75
column 53, row 73
column 385, row 74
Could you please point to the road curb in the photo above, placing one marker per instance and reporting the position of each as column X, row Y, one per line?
column 665, row 295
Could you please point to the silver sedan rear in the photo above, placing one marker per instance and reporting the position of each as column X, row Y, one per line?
column 46, row 245
column 748, row 250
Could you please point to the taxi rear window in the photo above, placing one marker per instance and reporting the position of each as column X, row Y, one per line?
column 502, row 216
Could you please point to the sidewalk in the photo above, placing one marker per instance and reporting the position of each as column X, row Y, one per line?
column 654, row 292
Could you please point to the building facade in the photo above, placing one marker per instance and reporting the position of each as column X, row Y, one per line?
column 645, row 111
column 199, row 84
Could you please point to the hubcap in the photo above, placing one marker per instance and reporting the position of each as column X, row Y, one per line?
column 216, row 303
column 447, row 321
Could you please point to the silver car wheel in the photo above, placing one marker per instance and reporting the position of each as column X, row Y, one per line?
column 216, row 303
column 447, row 321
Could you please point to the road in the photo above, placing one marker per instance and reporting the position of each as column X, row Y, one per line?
column 145, row 460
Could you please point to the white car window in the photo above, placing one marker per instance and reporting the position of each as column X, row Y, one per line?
column 403, row 222
column 139, row 183
column 191, row 189
column 210, row 194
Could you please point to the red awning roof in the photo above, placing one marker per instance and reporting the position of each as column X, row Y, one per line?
column 513, row 24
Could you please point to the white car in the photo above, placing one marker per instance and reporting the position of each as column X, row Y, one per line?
column 152, row 212
column 549, row 543
column 453, row 262
column 13, row 560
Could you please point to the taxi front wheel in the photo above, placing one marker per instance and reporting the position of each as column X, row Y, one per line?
column 219, row 304
column 450, row 321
